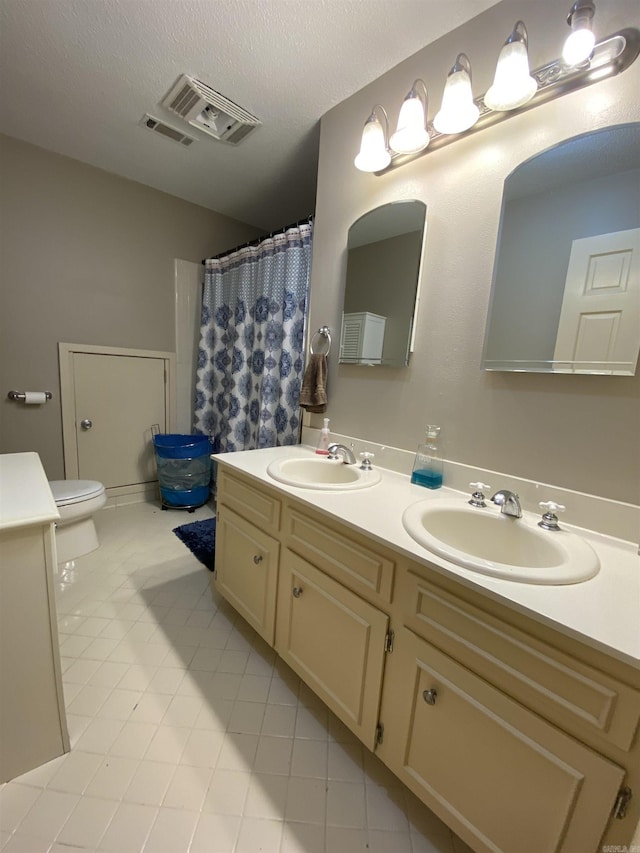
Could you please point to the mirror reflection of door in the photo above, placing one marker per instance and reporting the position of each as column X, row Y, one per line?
column 383, row 270
column 599, row 324
column 584, row 187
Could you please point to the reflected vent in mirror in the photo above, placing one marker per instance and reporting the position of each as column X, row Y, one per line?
column 166, row 130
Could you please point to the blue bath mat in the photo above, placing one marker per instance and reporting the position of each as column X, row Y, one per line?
column 200, row 539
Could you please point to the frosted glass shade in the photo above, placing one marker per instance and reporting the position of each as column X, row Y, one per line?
column 373, row 154
column 411, row 134
column 512, row 86
column 458, row 112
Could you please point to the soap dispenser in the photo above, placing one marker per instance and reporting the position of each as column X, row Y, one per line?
column 325, row 439
column 427, row 466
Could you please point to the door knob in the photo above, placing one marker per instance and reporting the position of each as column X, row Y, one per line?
column 430, row 696
column 86, row 423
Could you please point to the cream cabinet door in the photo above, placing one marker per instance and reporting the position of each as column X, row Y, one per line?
column 502, row 777
column 33, row 724
column 334, row 640
column 247, row 570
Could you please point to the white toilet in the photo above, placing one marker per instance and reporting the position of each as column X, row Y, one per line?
column 77, row 500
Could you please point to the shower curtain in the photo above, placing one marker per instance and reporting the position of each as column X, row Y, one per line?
column 251, row 354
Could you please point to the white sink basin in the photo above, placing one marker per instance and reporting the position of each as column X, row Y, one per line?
column 487, row 541
column 322, row 473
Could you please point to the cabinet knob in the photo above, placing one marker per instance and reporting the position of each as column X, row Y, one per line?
column 257, row 559
column 430, row 696
column 297, row 591
column 86, row 423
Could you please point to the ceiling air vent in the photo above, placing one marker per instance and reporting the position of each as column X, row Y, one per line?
column 209, row 111
column 166, row 130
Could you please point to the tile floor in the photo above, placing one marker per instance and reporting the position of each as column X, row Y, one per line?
column 188, row 735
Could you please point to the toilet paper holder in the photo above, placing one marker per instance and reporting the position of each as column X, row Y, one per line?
column 21, row 396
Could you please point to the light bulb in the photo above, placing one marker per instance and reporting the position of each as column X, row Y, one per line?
column 458, row 111
column 373, row 155
column 580, row 43
column 578, row 47
column 411, row 134
column 512, row 85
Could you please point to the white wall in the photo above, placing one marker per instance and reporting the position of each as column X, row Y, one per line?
column 579, row 432
column 87, row 258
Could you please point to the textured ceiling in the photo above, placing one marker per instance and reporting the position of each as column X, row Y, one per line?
column 76, row 77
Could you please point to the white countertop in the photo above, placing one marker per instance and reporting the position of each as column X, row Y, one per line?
column 603, row 612
column 25, row 496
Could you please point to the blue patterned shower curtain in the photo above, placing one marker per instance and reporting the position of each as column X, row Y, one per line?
column 251, row 355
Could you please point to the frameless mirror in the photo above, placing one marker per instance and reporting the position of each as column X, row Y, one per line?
column 566, row 282
column 383, row 268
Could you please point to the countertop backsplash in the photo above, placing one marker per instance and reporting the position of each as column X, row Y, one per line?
column 602, row 515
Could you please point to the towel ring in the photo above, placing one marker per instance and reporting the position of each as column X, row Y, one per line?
column 323, row 332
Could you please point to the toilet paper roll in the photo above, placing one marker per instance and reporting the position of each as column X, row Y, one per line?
column 34, row 398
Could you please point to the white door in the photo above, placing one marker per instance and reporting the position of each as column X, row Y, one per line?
column 122, row 396
column 111, row 399
column 599, row 329
column 188, row 299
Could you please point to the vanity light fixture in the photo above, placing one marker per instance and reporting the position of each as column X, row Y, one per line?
column 458, row 111
column 580, row 43
column 374, row 149
column 411, row 134
column 513, row 85
column 514, row 88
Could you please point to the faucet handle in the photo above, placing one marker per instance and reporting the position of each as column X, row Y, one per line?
column 366, row 457
column 477, row 498
column 550, row 519
column 552, row 506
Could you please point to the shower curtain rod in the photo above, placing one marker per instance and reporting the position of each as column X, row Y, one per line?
column 257, row 240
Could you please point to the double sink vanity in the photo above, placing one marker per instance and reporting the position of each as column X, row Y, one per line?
column 492, row 665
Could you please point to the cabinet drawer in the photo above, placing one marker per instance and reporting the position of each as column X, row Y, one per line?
column 345, row 557
column 334, row 640
column 564, row 690
column 504, row 778
column 256, row 506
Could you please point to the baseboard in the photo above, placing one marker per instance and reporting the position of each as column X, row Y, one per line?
column 138, row 493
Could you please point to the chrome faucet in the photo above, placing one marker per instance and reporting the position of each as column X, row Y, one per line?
column 508, row 502
column 340, row 451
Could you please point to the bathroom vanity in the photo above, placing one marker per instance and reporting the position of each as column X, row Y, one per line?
column 510, row 721
column 33, row 724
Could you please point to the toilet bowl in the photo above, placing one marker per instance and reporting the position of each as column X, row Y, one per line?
column 77, row 500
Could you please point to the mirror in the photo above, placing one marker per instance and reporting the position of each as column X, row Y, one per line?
column 383, row 268
column 566, row 282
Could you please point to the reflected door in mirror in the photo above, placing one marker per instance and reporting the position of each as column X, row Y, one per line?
column 565, row 295
column 599, row 324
